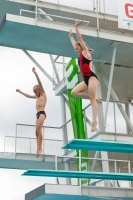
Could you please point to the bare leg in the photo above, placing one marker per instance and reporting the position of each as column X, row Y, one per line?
column 36, row 133
column 92, row 87
column 78, row 91
column 39, row 134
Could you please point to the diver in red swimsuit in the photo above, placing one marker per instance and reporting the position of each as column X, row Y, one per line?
column 90, row 79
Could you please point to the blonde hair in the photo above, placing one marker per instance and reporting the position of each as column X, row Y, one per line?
column 91, row 50
column 37, row 86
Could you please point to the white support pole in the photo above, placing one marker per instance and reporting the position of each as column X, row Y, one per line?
column 110, row 83
column 54, row 67
column 66, row 99
column 39, row 66
column 16, row 141
column 85, row 123
column 44, row 14
column 97, row 5
column 114, row 96
column 115, row 169
column 114, row 119
column 36, row 13
column 127, row 109
column 64, row 132
column 99, row 96
column 80, row 165
column 56, row 165
column 104, row 155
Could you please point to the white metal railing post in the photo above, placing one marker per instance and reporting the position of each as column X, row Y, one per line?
column 85, row 123
column 80, row 180
column 36, row 12
column 43, row 141
column 97, row 6
column 30, row 146
column 114, row 119
column 56, row 178
column 115, row 183
column 129, row 171
column 4, row 143
column 100, row 6
column 15, row 140
column 56, row 162
column 104, row 7
column 127, row 109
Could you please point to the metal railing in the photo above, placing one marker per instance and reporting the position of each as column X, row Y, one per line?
column 125, row 166
column 55, row 18
column 25, row 140
column 115, row 124
column 28, row 145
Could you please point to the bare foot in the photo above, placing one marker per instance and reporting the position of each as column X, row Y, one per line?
column 39, row 151
column 99, row 100
column 93, row 126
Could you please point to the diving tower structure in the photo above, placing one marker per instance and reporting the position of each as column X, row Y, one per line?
column 43, row 26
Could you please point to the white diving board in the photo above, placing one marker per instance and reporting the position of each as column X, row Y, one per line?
column 79, row 174
column 96, row 145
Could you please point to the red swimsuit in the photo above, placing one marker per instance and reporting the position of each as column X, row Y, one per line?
column 84, row 65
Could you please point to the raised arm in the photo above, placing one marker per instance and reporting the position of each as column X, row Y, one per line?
column 38, row 80
column 72, row 38
column 26, row 95
column 79, row 36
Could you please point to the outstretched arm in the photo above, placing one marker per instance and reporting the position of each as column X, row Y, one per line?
column 72, row 38
column 26, row 95
column 38, row 80
column 79, row 36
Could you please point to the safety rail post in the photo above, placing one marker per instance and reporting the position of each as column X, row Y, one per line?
column 36, row 12
column 4, row 143
column 15, row 140
column 80, row 180
column 30, row 146
column 115, row 120
column 85, row 123
column 97, row 8
column 115, row 166
column 56, row 162
column 43, row 141
column 129, row 171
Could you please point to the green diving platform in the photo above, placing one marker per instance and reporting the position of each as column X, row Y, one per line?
column 79, row 174
column 98, row 145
